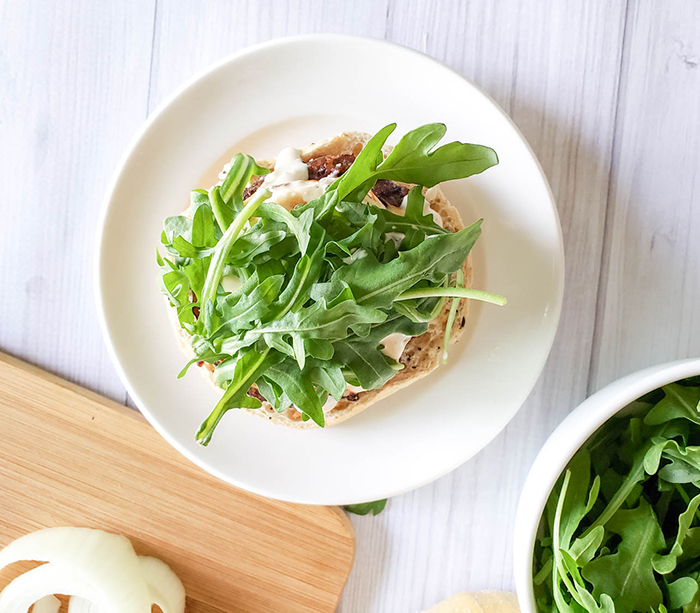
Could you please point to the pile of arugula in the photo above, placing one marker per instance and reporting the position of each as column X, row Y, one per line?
column 621, row 529
column 321, row 285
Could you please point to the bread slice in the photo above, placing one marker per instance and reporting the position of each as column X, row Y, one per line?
column 421, row 355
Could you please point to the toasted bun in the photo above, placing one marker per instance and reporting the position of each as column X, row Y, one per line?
column 421, row 355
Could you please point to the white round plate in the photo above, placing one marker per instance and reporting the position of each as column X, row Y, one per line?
column 274, row 95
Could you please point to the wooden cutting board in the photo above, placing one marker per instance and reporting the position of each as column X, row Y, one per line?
column 69, row 457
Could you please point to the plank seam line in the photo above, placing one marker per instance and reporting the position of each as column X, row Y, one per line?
column 607, row 220
column 153, row 54
column 125, row 402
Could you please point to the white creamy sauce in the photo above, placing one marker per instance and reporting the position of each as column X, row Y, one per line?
column 295, row 193
column 397, row 237
column 428, row 210
column 231, row 283
column 288, row 167
column 289, row 181
column 330, row 404
column 394, row 344
column 224, row 172
column 356, row 255
column 401, row 209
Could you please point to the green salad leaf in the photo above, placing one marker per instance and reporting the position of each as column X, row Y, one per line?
column 621, row 529
column 365, row 508
column 627, row 576
column 293, row 306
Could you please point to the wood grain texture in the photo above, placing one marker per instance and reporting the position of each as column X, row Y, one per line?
column 73, row 87
column 607, row 95
column 554, row 67
column 234, row 551
column 649, row 309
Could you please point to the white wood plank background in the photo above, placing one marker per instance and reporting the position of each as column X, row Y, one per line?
column 607, row 93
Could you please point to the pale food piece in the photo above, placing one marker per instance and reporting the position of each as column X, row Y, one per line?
column 100, row 571
column 478, row 602
column 48, row 604
column 290, row 186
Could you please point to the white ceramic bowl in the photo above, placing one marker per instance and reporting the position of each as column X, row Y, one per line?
column 259, row 101
column 561, row 446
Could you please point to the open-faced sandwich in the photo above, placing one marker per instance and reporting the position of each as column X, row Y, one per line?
column 309, row 287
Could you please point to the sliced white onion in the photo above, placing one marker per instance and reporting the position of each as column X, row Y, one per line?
column 99, row 570
column 105, row 560
column 42, row 581
column 164, row 585
column 48, row 604
column 76, row 604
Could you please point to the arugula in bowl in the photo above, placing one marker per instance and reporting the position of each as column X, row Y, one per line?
column 321, row 285
column 621, row 529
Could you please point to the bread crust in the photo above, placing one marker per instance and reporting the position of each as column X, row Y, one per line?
column 422, row 354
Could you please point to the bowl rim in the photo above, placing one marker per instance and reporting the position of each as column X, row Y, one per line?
column 576, row 429
column 554, row 314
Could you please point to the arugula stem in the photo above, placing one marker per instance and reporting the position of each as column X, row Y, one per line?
column 558, row 569
column 218, row 207
column 684, row 495
column 459, row 282
column 223, row 248
column 452, row 292
column 636, row 475
column 682, row 492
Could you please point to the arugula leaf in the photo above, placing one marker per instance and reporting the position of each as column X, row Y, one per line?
column 223, row 248
column 299, row 226
column 364, row 508
column 452, row 292
column 257, row 242
column 362, row 169
column 248, row 368
column 679, row 401
column 682, row 592
column 362, row 356
column 413, row 223
column 415, row 160
column 299, row 389
column 306, row 272
column 321, row 320
column 583, row 549
column 621, row 525
column 421, row 312
column 273, row 393
column 328, row 376
column 176, row 286
column 664, row 564
column 628, row 575
column 447, row 337
column 634, row 477
column 378, row 285
column 241, row 313
column 227, row 201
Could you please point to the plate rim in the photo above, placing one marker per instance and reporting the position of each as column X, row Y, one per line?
column 559, row 267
